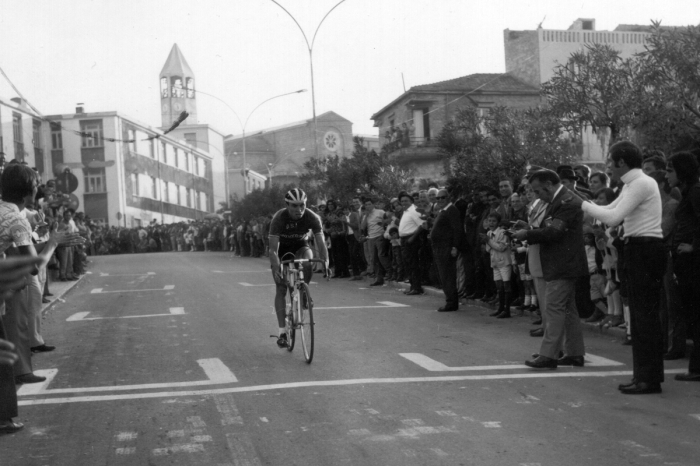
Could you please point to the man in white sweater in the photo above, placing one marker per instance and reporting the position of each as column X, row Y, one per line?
column 644, row 261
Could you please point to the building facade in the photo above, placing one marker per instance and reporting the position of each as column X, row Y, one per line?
column 129, row 174
column 23, row 136
column 533, row 55
column 408, row 125
column 280, row 152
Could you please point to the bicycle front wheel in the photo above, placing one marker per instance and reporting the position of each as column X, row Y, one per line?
column 306, row 322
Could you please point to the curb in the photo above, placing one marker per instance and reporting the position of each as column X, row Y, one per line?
column 617, row 333
column 59, row 294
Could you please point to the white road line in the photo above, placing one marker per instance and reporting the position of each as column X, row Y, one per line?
column 100, row 290
column 81, row 316
column 35, row 388
column 183, row 448
column 383, row 305
column 125, row 450
column 435, row 366
column 102, row 274
column 215, row 370
column 250, row 284
column 240, row 271
column 333, row 383
column 126, row 436
column 696, row 416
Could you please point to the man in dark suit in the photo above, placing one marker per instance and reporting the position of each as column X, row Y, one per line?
column 448, row 239
column 563, row 260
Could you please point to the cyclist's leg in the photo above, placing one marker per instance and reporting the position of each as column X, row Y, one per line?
column 306, row 253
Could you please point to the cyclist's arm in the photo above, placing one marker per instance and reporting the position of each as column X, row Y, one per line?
column 274, row 248
column 321, row 246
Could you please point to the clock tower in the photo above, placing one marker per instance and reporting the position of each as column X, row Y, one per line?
column 177, row 93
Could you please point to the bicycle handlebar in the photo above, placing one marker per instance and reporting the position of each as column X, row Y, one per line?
column 326, row 271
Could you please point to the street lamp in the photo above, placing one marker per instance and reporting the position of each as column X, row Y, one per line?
column 311, row 62
column 243, row 127
column 271, row 166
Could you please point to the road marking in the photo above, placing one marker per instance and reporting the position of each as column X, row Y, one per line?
column 215, row 370
column 240, row 271
column 102, row 274
column 228, row 410
column 35, row 388
column 331, row 383
column 100, row 290
column 492, row 424
column 184, row 448
column 125, row 451
column 242, row 449
column 435, row 366
column 79, row 316
column 696, row 416
column 126, row 436
column 383, row 305
column 250, row 284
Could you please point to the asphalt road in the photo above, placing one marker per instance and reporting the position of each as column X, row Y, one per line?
column 167, row 359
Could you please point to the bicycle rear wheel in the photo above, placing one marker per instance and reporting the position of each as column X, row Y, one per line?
column 306, row 322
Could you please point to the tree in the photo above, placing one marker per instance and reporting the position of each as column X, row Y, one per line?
column 364, row 172
column 593, row 89
column 667, row 92
column 259, row 202
column 479, row 150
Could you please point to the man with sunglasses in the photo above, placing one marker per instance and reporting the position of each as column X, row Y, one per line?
column 289, row 236
column 448, row 239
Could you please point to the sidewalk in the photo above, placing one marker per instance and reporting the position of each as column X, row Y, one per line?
column 58, row 290
column 618, row 333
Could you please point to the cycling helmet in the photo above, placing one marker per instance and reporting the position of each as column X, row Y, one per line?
column 295, row 195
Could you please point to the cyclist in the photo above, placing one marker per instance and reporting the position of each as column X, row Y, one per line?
column 289, row 234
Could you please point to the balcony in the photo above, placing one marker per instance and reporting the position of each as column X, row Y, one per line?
column 412, row 148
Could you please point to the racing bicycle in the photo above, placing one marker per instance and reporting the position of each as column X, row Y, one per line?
column 300, row 307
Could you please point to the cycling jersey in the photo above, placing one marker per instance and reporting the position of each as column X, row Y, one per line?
column 294, row 234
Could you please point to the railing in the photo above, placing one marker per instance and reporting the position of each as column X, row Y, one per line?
column 412, row 141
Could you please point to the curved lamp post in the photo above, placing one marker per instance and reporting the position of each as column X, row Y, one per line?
column 310, row 47
column 243, row 127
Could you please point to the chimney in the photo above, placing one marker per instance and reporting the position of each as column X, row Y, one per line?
column 79, row 108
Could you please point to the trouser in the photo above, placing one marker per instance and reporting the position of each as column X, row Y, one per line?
column 355, row 253
column 397, row 262
column 8, row 390
column 687, row 268
column 409, row 251
column 644, row 268
column 339, row 248
column 16, row 320
column 672, row 321
column 35, row 297
column 562, row 325
column 369, row 256
column 541, row 292
column 379, row 248
column 447, row 268
column 65, row 260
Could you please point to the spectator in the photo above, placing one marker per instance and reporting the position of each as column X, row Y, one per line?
column 374, row 223
column 598, row 181
column 639, row 206
column 410, row 227
column 498, row 247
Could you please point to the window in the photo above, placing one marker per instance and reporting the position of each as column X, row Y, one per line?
column 195, row 164
column 191, row 139
column 190, row 88
column 177, row 90
column 17, row 133
column 188, row 196
column 205, row 202
column 135, row 184
column 56, row 136
column 164, row 155
column 92, row 133
column 164, row 88
column 151, row 149
column 173, row 194
column 182, row 163
column 175, row 160
column 131, row 136
column 95, row 180
column 154, row 188
column 36, row 134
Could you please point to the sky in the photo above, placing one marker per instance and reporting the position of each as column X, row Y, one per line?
column 108, row 54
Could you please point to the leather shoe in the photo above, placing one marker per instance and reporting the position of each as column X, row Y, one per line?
column 627, row 342
column 672, row 356
column 29, row 378
column 538, row 332
column 537, row 355
column 446, row 309
column 627, row 385
column 413, row 293
column 10, row 427
column 495, row 313
column 576, row 361
column 641, row 388
column 688, row 377
column 42, row 349
column 537, row 322
column 355, row 278
column 45, row 300
column 377, row 283
column 542, row 362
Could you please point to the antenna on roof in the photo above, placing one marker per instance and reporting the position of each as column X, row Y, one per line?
column 539, row 26
column 404, row 82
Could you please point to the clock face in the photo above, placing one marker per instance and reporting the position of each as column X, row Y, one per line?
column 331, row 140
column 177, row 107
column 165, row 107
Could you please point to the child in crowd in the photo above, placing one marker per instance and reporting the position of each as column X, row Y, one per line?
column 597, row 278
column 498, row 246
